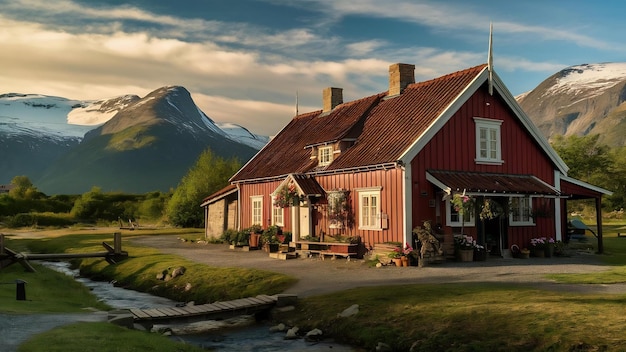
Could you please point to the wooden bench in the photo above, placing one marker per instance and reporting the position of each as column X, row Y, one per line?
column 333, row 249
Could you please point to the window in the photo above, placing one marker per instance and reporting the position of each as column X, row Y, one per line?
column 453, row 218
column 488, row 141
column 325, row 155
column 257, row 210
column 277, row 214
column 521, row 210
column 369, row 206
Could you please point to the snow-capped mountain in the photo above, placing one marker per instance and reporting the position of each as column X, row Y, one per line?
column 579, row 100
column 61, row 118
column 127, row 143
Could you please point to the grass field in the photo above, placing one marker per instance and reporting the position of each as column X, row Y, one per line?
column 446, row 317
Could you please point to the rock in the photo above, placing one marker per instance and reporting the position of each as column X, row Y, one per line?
column 379, row 265
column 188, row 287
column 350, row 311
column 314, row 335
column 178, row 271
column 292, row 333
column 383, row 347
column 160, row 276
column 191, row 303
column 278, row 328
column 167, row 277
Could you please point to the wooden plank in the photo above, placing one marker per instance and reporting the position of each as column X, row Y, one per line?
column 168, row 312
column 154, row 313
column 208, row 308
column 256, row 301
column 223, row 305
column 180, row 310
column 139, row 313
column 241, row 303
column 268, row 299
column 194, row 309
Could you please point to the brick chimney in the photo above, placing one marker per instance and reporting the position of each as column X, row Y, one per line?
column 331, row 97
column 400, row 76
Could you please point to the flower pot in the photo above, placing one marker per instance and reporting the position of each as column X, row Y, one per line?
column 539, row 252
column 480, row 256
column 397, row 262
column 524, row 254
column 549, row 250
column 254, row 240
column 405, row 261
column 466, row 255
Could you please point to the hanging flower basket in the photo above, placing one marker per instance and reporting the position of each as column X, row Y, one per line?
column 287, row 196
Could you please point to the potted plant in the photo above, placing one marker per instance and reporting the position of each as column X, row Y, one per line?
column 464, row 246
column 538, row 246
column 396, row 256
column 270, row 238
column 255, row 236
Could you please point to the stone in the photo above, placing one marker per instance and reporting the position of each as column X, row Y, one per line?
column 278, row 328
column 188, row 287
column 379, row 265
column 292, row 333
column 350, row 311
column 167, row 277
column 178, row 271
column 314, row 335
column 383, row 347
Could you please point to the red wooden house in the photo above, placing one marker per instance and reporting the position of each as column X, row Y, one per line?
column 380, row 166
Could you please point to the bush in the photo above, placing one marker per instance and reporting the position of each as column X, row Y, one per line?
column 39, row 219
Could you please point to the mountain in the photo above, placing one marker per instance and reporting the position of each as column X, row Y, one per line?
column 580, row 100
column 127, row 143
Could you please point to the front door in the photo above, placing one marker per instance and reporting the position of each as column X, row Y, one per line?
column 304, row 220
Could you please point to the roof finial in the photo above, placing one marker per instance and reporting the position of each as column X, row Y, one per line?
column 296, row 102
column 490, row 58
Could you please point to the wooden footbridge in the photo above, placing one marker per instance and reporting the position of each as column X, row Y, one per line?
column 210, row 311
column 112, row 255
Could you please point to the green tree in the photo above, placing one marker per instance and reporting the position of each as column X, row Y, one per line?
column 23, row 188
column 208, row 175
column 595, row 163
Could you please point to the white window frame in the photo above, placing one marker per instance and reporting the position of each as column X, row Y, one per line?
column 492, row 145
column 256, row 213
column 278, row 214
column 525, row 207
column 369, row 220
column 325, row 155
column 453, row 218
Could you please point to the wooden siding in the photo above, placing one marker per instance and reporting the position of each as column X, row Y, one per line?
column 454, row 148
column 389, row 182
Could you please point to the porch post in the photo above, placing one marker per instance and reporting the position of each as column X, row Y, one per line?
column 599, row 223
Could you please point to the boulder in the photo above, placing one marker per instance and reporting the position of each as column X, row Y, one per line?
column 278, row 328
column 350, row 311
column 314, row 335
column 292, row 333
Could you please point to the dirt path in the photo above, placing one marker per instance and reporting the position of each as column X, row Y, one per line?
column 320, row 277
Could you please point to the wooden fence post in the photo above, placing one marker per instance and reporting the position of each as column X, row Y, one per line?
column 117, row 243
column 1, row 244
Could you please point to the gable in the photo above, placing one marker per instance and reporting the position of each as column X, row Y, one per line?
column 383, row 130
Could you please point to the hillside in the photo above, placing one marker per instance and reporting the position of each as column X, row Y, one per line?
column 127, row 144
column 580, row 100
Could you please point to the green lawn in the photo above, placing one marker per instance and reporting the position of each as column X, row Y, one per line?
column 448, row 317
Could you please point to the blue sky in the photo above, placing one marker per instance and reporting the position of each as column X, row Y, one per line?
column 244, row 60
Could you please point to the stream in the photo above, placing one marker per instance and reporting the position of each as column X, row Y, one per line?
column 236, row 334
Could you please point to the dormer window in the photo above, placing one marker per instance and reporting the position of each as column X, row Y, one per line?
column 325, row 155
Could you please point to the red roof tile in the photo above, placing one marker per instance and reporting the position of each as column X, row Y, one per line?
column 473, row 182
column 384, row 128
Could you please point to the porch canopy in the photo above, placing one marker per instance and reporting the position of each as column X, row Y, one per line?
column 489, row 183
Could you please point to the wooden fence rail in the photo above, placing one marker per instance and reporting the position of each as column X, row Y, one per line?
column 112, row 255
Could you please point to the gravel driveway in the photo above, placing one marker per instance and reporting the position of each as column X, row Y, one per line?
column 325, row 276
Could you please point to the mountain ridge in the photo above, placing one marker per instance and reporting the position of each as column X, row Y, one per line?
column 580, row 100
column 128, row 143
